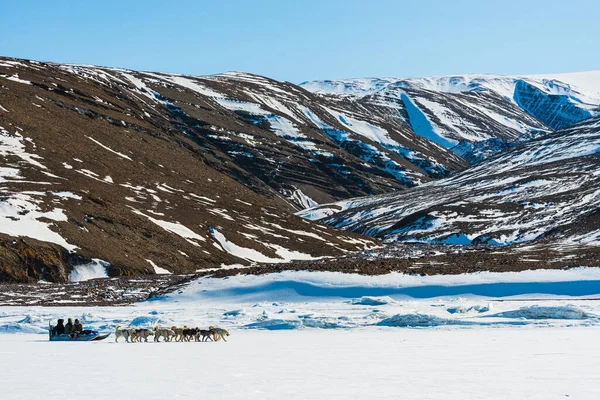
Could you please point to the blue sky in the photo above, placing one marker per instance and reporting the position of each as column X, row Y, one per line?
column 298, row 40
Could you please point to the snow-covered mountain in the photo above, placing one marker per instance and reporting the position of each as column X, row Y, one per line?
column 463, row 112
column 547, row 188
column 204, row 172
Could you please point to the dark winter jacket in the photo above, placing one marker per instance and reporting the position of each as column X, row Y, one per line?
column 77, row 327
column 68, row 328
column 59, row 329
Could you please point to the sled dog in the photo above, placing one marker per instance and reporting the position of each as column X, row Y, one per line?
column 218, row 333
column 142, row 334
column 178, row 332
column 166, row 333
column 189, row 334
column 125, row 333
column 203, row 335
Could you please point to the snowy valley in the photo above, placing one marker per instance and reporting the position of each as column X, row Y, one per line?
column 348, row 234
column 314, row 334
column 295, row 200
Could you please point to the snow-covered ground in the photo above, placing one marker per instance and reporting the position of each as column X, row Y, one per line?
column 509, row 363
column 297, row 300
column 301, row 334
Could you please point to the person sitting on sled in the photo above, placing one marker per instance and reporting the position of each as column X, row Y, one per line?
column 69, row 326
column 59, row 329
column 77, row 328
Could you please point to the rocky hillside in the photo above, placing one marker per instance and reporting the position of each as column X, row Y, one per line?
column 268, row 135
column 546, row 189
column 100, row 174
column 119, row 172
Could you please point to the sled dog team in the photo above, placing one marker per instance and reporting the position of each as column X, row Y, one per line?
column 179, row 334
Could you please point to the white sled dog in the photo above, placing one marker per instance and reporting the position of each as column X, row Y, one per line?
column 124, row 333
column 218, row 333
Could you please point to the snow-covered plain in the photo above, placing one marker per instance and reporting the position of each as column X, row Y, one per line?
column 302, row 334
column 498, row 364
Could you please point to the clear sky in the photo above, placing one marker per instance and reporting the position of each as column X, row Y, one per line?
column 298, row 40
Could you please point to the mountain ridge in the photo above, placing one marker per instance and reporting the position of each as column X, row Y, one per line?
column 544, row 189
column 198, row 173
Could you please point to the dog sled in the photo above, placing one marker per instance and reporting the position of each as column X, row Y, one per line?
column 85, row 336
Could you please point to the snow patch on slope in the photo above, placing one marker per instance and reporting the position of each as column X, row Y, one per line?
column 421, row 125
column 285, row 255
column 109, row 149
column 302, row 199
column 158, row 270
column 363, row 128
column 174, row 227
column 21, row 214
column 95, row 269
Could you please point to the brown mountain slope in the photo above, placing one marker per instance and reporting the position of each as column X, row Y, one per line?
column 93, row 170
